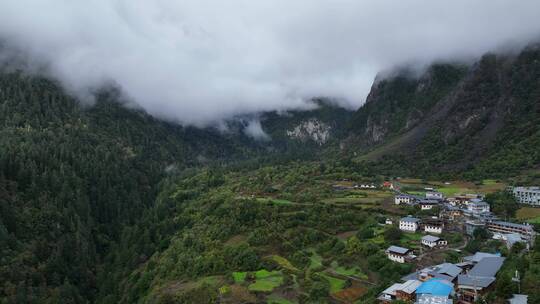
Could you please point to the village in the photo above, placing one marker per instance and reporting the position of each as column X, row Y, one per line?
column 472, row 276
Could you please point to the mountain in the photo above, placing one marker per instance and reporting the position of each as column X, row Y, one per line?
column 96, row 202
column 321, row 126
column 482, row 119
column 72, row 176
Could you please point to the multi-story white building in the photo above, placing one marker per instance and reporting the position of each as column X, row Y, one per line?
column 527, row 195
column 433, row 228
column 477, row 207
column 402, row 199
column 409, row 224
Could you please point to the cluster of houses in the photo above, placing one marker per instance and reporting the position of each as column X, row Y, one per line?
column 473, row 209
column 470, row 279
column 447, row 283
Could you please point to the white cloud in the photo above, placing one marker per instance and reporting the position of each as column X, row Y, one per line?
column 197, row 62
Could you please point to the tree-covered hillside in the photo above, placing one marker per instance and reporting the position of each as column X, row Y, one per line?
column 71, row 177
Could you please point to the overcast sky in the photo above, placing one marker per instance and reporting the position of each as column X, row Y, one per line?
column 200, row 61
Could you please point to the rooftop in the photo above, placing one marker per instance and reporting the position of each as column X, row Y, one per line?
column 478, row 203
column 487, row 267
column 398, row 249
column 518, row 299
column 436, row 287
column 410, row 286
column 430, row 238
column 410, row 219
column 483, row 273
column 449, row 269
column 479, row 256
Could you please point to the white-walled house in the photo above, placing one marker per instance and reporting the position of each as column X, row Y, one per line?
column 433, row 241
column 433, row 225
column 433, row 228
column 402, row 199
column 409, row 224
column 399, row 254
column 388, row 221
column 428, row 204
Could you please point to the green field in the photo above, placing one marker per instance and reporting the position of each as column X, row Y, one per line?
column 335, row 283
column 354, row 271
column 266, row 281
column 284, row 263
column 275, row 201
column 239, row 277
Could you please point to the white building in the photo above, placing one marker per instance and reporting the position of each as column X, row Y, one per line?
column 428, row 204
column 402, row 199
column 388, row 222
column 433, row 228
column 477, row 207
column 434, row 195
column 409, row 224
column 433, row 241
column 527, row 195
column 399, row 254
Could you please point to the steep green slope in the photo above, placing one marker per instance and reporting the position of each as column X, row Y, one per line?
column 72, row 177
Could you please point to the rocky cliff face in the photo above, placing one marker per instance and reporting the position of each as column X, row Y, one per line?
column 311, row 129
column 455, row 117
column 398, row 103
column 307, row 129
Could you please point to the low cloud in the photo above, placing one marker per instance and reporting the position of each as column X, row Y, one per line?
column 254, row 130
column 199, row 62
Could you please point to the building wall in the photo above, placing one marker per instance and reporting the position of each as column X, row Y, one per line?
column 433, row 229
column 408, row 226
column 429, row 244
column 396, row 257
column 402, row 200
column 526, row 195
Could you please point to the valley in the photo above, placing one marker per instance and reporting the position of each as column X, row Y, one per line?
column 104, row 203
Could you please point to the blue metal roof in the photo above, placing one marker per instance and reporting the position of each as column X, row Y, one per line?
column 436, row 287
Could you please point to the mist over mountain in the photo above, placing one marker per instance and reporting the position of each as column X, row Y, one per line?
column 198, row 63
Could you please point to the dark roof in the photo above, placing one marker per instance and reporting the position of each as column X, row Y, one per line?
column 478, row 256
column 410, row 219
column 487, row 267
column 478, row 282
column 398, row 249
column 483, row 273
column 449, row 269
